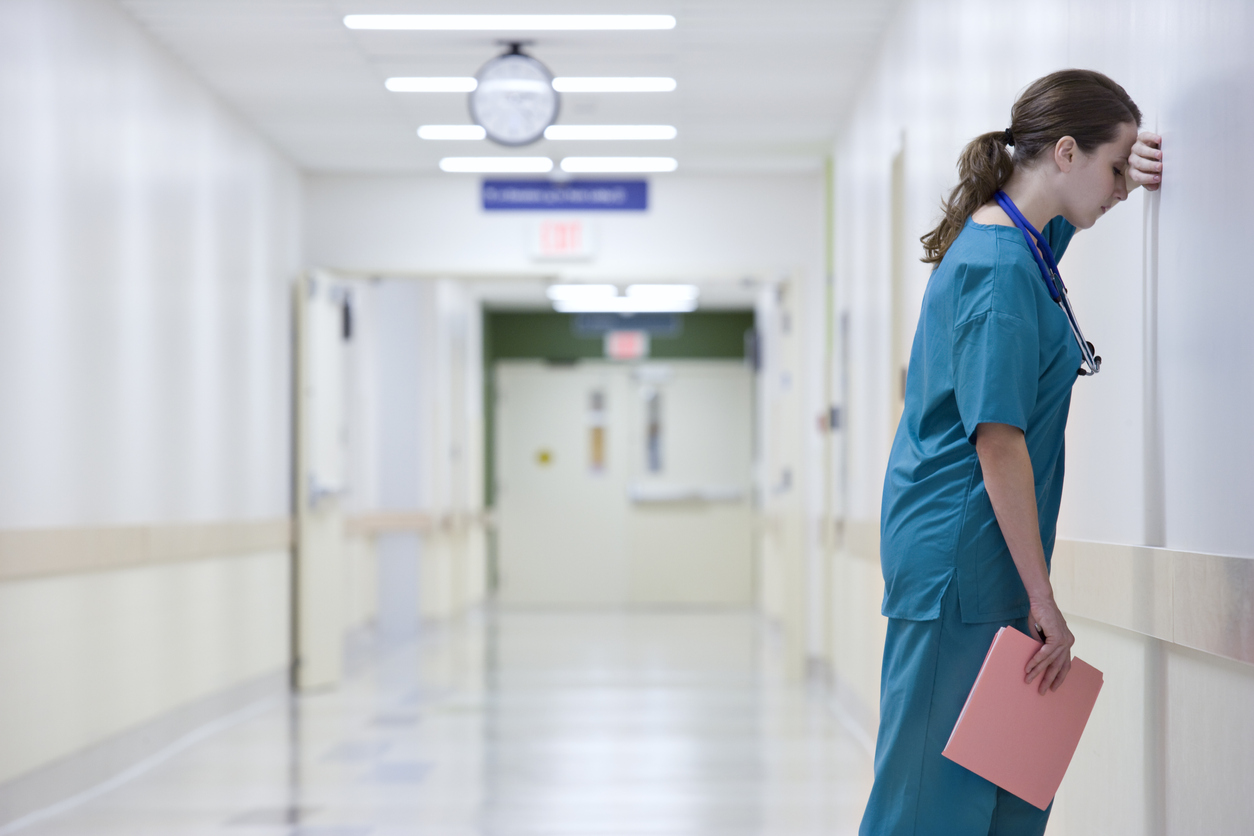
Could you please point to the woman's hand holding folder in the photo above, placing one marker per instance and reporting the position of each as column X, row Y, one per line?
column 1053, row 661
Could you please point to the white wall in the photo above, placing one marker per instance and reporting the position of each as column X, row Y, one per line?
column 1158, row 450
column 696, row 226
column 147, row 243
column 148, row 239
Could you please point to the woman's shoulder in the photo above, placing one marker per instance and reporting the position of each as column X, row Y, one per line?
column 982, row 251
column 988, row 269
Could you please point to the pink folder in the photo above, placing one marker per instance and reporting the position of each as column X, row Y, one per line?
column 1013, row 736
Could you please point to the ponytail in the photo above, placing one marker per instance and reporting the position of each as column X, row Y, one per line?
column 983, row 168
column 1082, row 104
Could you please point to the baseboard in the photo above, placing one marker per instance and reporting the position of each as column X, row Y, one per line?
column 76, row 773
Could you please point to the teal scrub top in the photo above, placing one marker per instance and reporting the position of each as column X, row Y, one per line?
column 991, row 346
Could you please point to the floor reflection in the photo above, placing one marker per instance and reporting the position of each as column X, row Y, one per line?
column 579, row 723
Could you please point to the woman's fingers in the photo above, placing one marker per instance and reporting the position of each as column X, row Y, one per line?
column 1044, row 658
column 1145, row 163
column 1040, row 661
column 1055, row 674
column 1058, row 640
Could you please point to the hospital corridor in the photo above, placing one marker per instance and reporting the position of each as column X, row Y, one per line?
column 626, row 418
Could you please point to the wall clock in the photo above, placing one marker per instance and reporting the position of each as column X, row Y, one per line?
column 514, row 100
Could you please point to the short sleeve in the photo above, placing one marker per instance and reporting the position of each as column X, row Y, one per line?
column 1058, row 233
column 996, row 370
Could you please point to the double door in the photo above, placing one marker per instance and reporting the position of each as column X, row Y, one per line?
column 624, row 484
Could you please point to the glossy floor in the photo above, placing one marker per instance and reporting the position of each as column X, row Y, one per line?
column 563, row 723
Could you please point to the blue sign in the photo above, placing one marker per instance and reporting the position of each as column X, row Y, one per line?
column 573, row 196
column 657, row 324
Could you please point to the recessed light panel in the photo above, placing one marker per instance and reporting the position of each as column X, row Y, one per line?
column 640, row 298
column 626, row 305
column 509, row 22
column 618, row 165
column 609, row 132
column 451, row 132
column 581, row 292
column 497, row 165
column 575, row 84
column 451, row 84
column 660, row 292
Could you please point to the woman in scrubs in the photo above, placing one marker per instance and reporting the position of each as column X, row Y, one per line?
column 975, row 475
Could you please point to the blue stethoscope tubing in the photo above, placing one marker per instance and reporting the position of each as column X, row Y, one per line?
column 1044, row 255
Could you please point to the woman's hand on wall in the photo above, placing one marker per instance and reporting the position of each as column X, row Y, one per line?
column 1053, row 661
column 1145, row 163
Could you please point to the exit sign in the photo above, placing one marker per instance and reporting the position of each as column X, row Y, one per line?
column 626, row 345
column 562, row 239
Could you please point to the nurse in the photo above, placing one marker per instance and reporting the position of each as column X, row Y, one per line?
column 975, row 475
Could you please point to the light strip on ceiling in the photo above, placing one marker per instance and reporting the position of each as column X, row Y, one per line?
column 639, row 298
column 496, row 165
column 452, row 84
column 624, row 305
column 618, row 165
column 664, row 292
column 452, row 132
column 580, row 292
column 574, row 84
column 581, row 132
column 448, row 23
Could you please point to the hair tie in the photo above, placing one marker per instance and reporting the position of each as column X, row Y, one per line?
column 1007, row 138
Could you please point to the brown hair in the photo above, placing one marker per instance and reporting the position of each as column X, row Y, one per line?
column 1082, row 104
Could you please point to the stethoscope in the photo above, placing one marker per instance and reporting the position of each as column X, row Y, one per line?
column 1045, row 260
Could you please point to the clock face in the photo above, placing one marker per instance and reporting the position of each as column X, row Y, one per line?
column 515, row 100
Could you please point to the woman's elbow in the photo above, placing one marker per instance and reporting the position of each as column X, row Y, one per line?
column 997, row 440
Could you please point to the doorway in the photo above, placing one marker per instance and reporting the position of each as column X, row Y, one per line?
column 624, row 484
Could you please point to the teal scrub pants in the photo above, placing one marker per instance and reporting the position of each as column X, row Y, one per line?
column 929, row 667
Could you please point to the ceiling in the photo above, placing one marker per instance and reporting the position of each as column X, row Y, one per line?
column 761, row 86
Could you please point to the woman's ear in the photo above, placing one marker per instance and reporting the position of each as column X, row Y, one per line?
column 1065, row 153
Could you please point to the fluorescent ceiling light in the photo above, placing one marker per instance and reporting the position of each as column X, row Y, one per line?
column 625, row 305
column 574, row 84
column 452, row 132
column 618, row 165
column 497, row 165
column 509, row 22
column 431, row 85
column 581, row 292
column 640, row 298
column 672, row 292
column 609, row 132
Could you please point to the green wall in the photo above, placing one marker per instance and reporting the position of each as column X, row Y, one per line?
column 546, row 335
